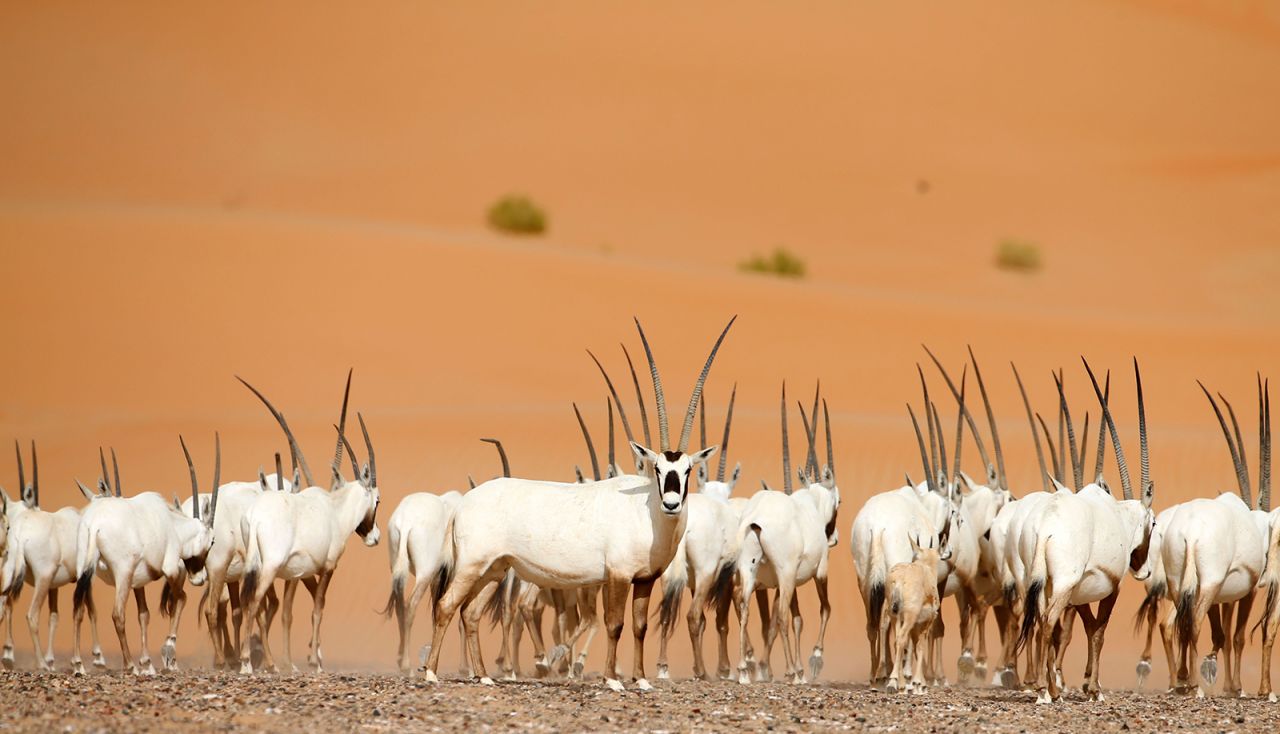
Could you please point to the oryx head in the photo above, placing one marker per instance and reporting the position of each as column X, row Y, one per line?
column 821, row 484
column 669, row 468
column 195, row 533
column 366, row 482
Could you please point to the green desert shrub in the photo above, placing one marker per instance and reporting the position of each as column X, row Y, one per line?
column 518, row 215
column 1018, row 255
column 781, row 263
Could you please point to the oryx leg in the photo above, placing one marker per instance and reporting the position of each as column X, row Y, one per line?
column 723, row 669
column 615, row 611
column 270, row 607
column 314, row 656
column 1217, row 638
column 421, row 584
column 531, row 615
column 169, row 651
column 286, row 626
column 118, row 617
column 210, row 606
column 1003, row 615
column 795, row 667
column 979, row 621
column 1203, row 605
column 1270, row 628
column 1096, row 636
column 39, row 593
column 824, row 615
column 1144, row 662
column 1228, row 616
column 8, row 602
column 238, row 601
column 696, row 621
column 461, row 591
column 144, row 621
column 471, row 615
column 53, row 625
column 965, row 604
column 1244, row 606
column 1068, row 629
column 77, row 618
column 937, row 674
column 764, row 664
column 640, row 593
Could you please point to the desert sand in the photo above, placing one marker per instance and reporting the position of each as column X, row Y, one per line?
column 285, row 192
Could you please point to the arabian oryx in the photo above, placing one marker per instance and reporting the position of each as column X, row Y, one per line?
column 1270, row 620
column 784, row 541
column 40, row 549
column 132, row 541
column 1076, row 552
column 911, row 603
column 301, row 536
column 1213, row 552
column 704, row 560
column 619, row 532
column 881, row 536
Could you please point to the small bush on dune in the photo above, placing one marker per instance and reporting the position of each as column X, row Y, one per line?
column 781, row 263
column 517, row 215
column 1018, row 255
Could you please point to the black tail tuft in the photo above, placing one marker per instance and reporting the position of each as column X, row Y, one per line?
column 1148, row 607
column 84, row 585
column 722, row 589
column 1030, row 613
column 249, row 585
column 1186, row 610
column 441, row 584
column 875, row 604
column 669, row 609
column 395, row 599
column 496, row 607
column 168, row 601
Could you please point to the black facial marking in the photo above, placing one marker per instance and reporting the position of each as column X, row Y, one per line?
column 671, row 483
column 672, row 456
column 194, row 565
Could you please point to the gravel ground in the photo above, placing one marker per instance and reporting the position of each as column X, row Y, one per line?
column 372, row 702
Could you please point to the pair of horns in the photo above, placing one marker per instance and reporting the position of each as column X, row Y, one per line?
column 1238, row 458
column 810, row 471
column 1147, row 488
column 989, row 467
column 660, row 398
column 343, row 443
column 22, row 474
column 106, row 481
column 217, row 478
column 935, row 461
column 502, row 454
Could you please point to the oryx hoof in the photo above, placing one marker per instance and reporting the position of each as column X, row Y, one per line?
column 1271, row 698
column 246, row 667
column 764, row 674
column 744, row 676
column 815, row 664
column 980, row 669
column 576, row 670
column 430, row 677
column 423, row 653
column 724, row 673
column 1044, row 696
column 98, row 660
column 77, row 668
column 511, row 676
column 169, row 654
column 664, row 673
column 891, row 686
column 487, row 681
column 1200, row 692
column 466, row 672
column 7, row 658
column 614, row 685
column 965, row 666
column 643, row 684
column 918, row 690
column 1143, row 670
column 542, row 668
column 147, row 670
column 1209, row 669
column 1007, row 678
column 556, row 653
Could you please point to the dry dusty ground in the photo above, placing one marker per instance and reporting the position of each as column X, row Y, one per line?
column 343, row 702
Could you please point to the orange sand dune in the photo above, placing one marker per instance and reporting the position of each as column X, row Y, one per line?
column 284, row 193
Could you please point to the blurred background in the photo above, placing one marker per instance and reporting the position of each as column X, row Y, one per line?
column 457, row 201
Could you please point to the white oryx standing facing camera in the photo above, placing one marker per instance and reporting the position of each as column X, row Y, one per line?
column 785, row 540
column 132, row 541
column 619, row 532
column 301, row 536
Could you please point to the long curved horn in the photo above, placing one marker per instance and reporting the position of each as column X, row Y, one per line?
column 195, row 491
column 968, row 416
column 697, row 388
column 702, row 421
column 1077, row 473
column 1001, row 477
column 22, row 473
column 928, row 419
column 591, row 449
column 342, row 427
column 831, row 456
column 626, row 426
column 635, row 382
column 1264, row 451
column 664, row 437
column 1241, row 478
column 1125, row 482
column 1084, row 441
column 1102, row 432
column 786, row 447
column 724, row 444
column 351, row 452
column 368, row 447
column 817, row 390
column 284, row 425
column 217, row 477
column 1057, row 468
column 608, row 406
column 502, row 454
column 106, row 478
column 942, row 449
column 115, row 469
column 1246, row 489
column 35, row 475
column 279, row 474
column 1146, row 487
column 964, row 376
column 924, row 456
column 810, row 433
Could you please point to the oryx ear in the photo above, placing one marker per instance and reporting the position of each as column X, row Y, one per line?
column 1148, row 494
column 103, row 489
column 737, row 472
column 642, row 455
column 4, row 501
column 828, row 478
column 297, row 481
column 969, row 484
column 177, row 503
column 365, row 477
column 88, row 493
column 577, row 472
column 5, row 494
column 611, row 471
column 704, row 454
column 915, row 546
column 204, row 508
column 1057, row 485
column 765, row 486
column 262, row 481
column 702, row 474
column 28, row 496
column 993, row 479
